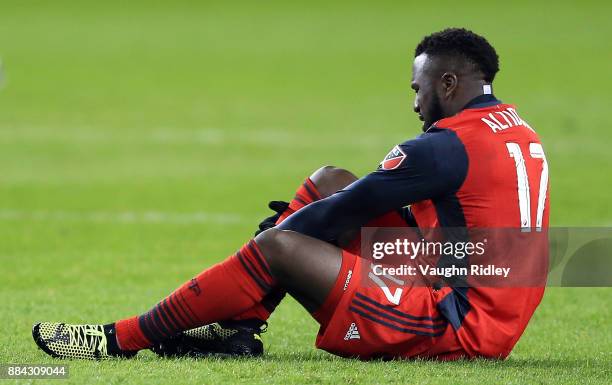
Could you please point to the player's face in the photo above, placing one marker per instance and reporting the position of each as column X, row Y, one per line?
column 427, row 101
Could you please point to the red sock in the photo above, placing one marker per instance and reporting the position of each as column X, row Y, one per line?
column 218, row 293
column 305, row 195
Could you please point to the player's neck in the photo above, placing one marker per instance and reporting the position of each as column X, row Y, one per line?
column 468, row 94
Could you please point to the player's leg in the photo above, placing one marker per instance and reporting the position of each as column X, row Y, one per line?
column 245, row 277
column 220, row 292
column 241, row 334
column 322, row 183
column 330, row 179
column 307, row 268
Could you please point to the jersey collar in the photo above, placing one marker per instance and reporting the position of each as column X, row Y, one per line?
column 481, row 101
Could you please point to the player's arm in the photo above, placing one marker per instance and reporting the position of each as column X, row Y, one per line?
column 434, row 164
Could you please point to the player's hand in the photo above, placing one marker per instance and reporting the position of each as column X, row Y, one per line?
column 277, row 206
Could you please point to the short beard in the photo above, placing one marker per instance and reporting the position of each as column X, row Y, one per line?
column 435, row 112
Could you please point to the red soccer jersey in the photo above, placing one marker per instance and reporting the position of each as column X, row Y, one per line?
column 483, row 168
column 506, row 186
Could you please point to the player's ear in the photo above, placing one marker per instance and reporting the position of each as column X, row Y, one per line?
column 449, row 83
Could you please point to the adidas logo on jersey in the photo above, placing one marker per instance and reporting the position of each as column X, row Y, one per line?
column 352, row 333
column 348, row 279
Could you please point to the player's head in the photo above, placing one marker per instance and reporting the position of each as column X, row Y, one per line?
column 450, row 68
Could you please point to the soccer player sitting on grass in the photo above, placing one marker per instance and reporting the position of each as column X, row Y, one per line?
column 471, row 168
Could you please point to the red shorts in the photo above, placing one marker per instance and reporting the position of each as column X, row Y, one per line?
column 364, row 321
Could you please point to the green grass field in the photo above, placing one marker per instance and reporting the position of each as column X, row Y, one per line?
column 141, row 141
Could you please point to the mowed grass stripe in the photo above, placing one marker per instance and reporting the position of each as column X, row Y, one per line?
column 123, row 217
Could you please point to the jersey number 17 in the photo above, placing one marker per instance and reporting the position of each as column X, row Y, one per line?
column 536, row 152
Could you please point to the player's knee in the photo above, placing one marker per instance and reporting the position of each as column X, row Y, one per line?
column 275, row 245
column 330, row 179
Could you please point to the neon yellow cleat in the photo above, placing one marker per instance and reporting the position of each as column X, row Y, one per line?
column 88, row 342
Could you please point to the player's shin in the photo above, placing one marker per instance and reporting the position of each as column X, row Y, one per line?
column 240, row 334
column 218, row 293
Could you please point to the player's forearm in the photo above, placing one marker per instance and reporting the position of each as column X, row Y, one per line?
column 318, row 220
column 331, row 218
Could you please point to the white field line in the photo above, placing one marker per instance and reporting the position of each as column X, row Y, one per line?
column 204, row 136
column 153, row 217
column 212, row 136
